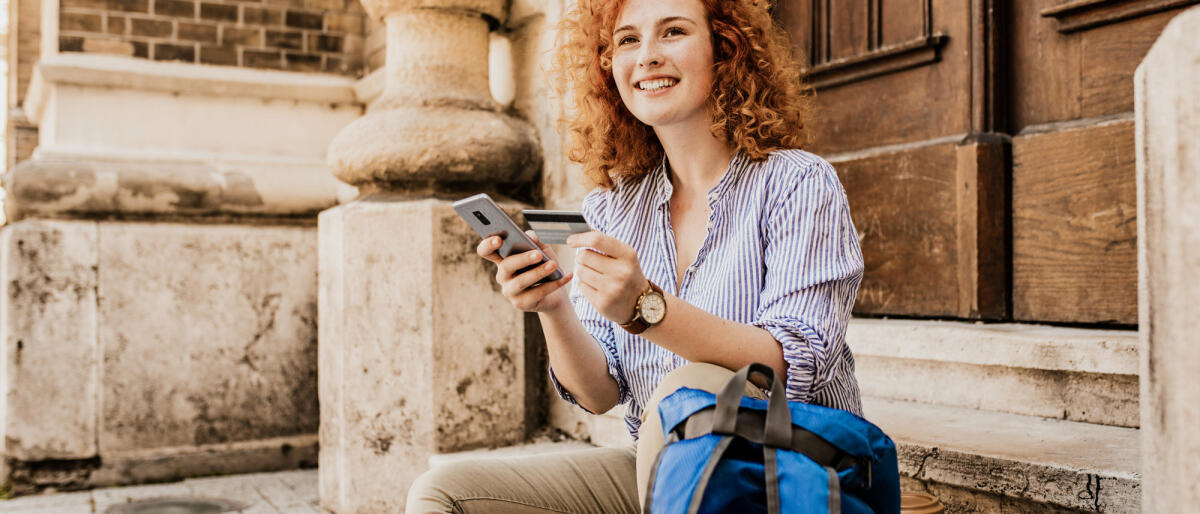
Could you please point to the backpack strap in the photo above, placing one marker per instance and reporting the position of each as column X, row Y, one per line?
column 771, row 479
column 777, row 430
column 748, row 426
column 835, row 491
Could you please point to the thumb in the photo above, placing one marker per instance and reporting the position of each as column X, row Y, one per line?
column 533, row 235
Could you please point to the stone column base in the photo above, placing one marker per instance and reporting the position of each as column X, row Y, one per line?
column 419, row 353
column 148, row 351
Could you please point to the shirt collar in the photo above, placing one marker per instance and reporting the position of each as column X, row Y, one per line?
column 662, row 182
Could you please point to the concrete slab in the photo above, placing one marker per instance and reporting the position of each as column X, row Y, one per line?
column 263, row 493
column 103, row 499
column 58, row 503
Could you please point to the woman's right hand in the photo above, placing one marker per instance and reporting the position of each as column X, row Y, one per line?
column 543, row 298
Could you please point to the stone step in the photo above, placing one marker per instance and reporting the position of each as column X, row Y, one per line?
column 1073, row 374
column 981, row 461
column 517, row 450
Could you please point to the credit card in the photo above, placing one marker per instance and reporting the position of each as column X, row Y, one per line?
column 553, row 227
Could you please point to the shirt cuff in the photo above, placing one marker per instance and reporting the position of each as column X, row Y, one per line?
column 802, row 349
column 622, row 390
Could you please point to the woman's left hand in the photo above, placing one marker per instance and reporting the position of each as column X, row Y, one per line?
column 611, row 279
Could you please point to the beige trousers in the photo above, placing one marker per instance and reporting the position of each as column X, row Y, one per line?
column 599, row 480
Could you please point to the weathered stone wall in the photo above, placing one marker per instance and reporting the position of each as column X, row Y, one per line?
column 295, row 35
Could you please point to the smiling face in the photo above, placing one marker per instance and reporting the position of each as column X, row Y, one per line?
column 663, row 61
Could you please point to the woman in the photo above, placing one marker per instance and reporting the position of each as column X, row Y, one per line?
column 716, row 243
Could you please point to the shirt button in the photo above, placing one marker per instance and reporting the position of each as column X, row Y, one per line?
column 712, row 197
column 691, row 269
column 709, row 225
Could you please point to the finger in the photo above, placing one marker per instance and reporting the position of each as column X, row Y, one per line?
column 533, row 236
column 543, row 246
column 487, row 249
column 523, row 281
column 529, row 298
column 598, row 240
column 597, row 262
column 595, row 269
column 516, row 262
column 588, row 278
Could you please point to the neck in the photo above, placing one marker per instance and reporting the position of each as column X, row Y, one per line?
column 697, row 159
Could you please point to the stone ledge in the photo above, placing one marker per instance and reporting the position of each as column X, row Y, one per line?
column 159, row 464
column 1008, row 344
column 1061, row 463
column 69, row 186
column 171, row 77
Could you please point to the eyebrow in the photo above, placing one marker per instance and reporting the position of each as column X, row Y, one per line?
column 663, row 21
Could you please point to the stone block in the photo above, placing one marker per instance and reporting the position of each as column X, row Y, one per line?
column 151, row 28
column 173, row 52
column 419, row 353
column 1067, row 373
column 208, row 334
column 218, row 12
column 262, row 59
column 197, row 32
column 80, row 22
column 220, row 55
column 48, row 315
column 1167, row 112
column 175, row 8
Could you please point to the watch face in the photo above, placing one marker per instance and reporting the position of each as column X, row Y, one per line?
column 653, row 308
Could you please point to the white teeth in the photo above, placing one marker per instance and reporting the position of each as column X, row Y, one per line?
column 655, row 85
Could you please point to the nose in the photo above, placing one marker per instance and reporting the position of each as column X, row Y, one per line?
column 650, row 55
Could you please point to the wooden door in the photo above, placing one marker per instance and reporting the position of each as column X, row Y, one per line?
column 986, row 147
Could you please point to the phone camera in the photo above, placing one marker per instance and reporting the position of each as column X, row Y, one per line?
column 481, row 217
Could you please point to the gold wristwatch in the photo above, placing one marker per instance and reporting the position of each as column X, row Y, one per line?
column 650, row 310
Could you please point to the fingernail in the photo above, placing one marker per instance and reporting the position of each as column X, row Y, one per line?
column 533, row 257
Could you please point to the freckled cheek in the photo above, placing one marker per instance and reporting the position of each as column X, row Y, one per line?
column 622, row 72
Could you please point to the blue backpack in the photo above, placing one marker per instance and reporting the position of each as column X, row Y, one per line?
column 730, row 453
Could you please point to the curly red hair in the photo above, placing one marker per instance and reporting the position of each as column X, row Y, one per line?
column 758, row 101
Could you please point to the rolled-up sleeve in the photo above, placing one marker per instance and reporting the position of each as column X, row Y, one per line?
column 813, row 267
column 600, row 328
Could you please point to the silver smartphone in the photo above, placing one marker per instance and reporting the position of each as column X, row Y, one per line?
column 483, row 215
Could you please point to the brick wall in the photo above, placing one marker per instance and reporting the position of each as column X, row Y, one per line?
column 295, row 35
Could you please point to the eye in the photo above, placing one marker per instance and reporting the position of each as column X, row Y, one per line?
column 674, row 31
column 625, row 40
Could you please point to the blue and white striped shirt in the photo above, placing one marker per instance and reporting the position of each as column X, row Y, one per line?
column 781, row 253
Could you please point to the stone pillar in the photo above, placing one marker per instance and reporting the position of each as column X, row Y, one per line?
column 418, row 353
column 1168, row 181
